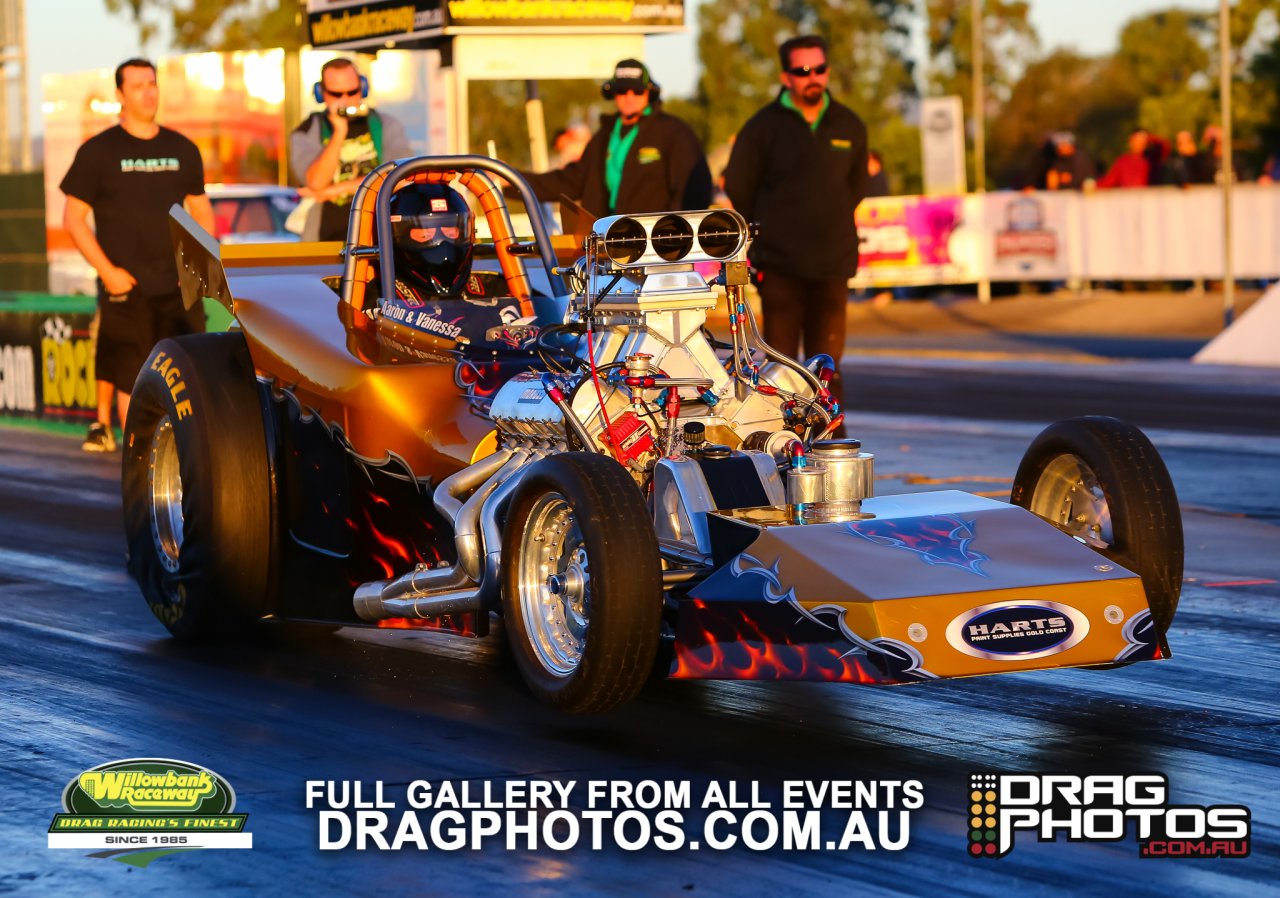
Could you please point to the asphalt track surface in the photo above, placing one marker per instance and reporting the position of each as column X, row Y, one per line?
column 89, row 676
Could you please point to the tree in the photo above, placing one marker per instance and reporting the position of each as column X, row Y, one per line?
column 228, row 25
column 1009, row 44
column 1170, row 59
column 1051, row 96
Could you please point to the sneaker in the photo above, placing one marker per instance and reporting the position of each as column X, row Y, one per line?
column 99, row 439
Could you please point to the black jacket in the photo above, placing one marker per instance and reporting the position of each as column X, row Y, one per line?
column 666, row 170
column 802, row 187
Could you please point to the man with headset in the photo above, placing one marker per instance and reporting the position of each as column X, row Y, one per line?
column 332, row 151
column 641, row 160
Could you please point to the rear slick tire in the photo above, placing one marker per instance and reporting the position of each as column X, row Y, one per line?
column 1102, row 481
column 581, row 583
column 198, row 488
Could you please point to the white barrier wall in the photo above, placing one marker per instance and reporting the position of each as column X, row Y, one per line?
column 1158, row 233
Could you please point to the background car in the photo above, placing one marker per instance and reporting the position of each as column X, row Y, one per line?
column 252, row 213
column 243, row 213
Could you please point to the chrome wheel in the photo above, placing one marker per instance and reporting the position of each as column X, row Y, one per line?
column 553, row 583
column 164, row 490
column 1069, row 495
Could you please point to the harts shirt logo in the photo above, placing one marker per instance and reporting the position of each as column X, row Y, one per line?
column 1017, row 631
column 149, row 165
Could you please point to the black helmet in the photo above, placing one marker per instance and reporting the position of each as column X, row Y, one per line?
column 433, row 230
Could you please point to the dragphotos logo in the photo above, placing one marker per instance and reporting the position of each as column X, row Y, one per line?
column 1104, row 808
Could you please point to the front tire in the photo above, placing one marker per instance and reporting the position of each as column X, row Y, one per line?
column 197, row 487
column 1102, row 481
column 582, row 584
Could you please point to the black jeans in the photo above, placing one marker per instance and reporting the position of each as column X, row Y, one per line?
column 812, row 307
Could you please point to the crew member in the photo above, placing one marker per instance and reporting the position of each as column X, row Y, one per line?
column 799, row 169
column 641, row 160
column 128, row 176
column 333, row 149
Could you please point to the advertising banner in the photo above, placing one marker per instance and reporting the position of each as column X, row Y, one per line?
column 918, row 240
column 1027, row 235
column 342, row 23
column 942, row 145
column 46, row 362
column 1156, row 233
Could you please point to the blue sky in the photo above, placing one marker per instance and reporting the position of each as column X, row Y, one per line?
column 78, row 35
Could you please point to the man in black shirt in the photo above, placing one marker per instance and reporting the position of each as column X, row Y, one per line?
column 799, row 168
column 128, row 176
column 641, row 160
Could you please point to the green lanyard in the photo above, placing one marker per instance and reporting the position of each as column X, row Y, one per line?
column 813, row 125
column 616, row 158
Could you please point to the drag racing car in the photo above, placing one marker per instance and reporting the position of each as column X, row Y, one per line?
column 631, row 495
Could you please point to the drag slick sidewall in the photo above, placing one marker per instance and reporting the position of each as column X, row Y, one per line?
column 1145, row 518
column 625, row 581
column 205, row 385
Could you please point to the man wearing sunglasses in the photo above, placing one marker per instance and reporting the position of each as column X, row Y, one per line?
column 641, row 160
column 332, row 150
column 799, row 169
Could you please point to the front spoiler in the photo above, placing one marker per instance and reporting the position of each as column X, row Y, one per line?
column 917, row 587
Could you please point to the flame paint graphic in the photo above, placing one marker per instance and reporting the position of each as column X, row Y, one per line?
column 464, row 624
column 750, row 638
column 942, row 539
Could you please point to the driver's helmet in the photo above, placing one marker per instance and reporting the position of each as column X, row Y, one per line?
column 433, row 230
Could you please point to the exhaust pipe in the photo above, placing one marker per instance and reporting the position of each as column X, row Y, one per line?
column 455, row 589
column 466, row 533
column 422, row 592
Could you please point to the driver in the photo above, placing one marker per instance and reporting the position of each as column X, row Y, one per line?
column 433, row 232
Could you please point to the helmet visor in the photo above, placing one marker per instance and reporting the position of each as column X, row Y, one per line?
column 423, row 231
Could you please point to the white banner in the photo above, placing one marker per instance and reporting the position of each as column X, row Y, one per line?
column 942, row 145
column 1027, row 236
column 137, row 840
column 1156, row 233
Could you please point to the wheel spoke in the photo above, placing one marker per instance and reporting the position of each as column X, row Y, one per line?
column 554, row 585
column 1070, row 496
column 164, row 490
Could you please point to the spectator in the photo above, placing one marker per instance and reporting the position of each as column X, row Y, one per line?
column 333, row 149
column 1214, row 147
column 799, row 168
column 128, row 176
column 1187, row 165
column 877, row 177
column 1133, row 169
column 1036, row 176
column 641, row 160
column 1157, row 154
column 1073, row 168
column 1270, row 170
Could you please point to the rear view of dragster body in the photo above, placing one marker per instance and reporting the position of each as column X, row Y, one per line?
column 627, row 492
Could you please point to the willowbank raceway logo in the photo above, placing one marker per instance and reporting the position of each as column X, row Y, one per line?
column 1100, row 809
column 141, row 809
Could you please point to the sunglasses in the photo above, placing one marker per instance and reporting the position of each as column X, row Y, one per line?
column 619, row 90
column 804, row 71
column 341, row 94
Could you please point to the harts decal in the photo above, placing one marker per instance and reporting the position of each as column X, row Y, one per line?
column 1015, row 631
